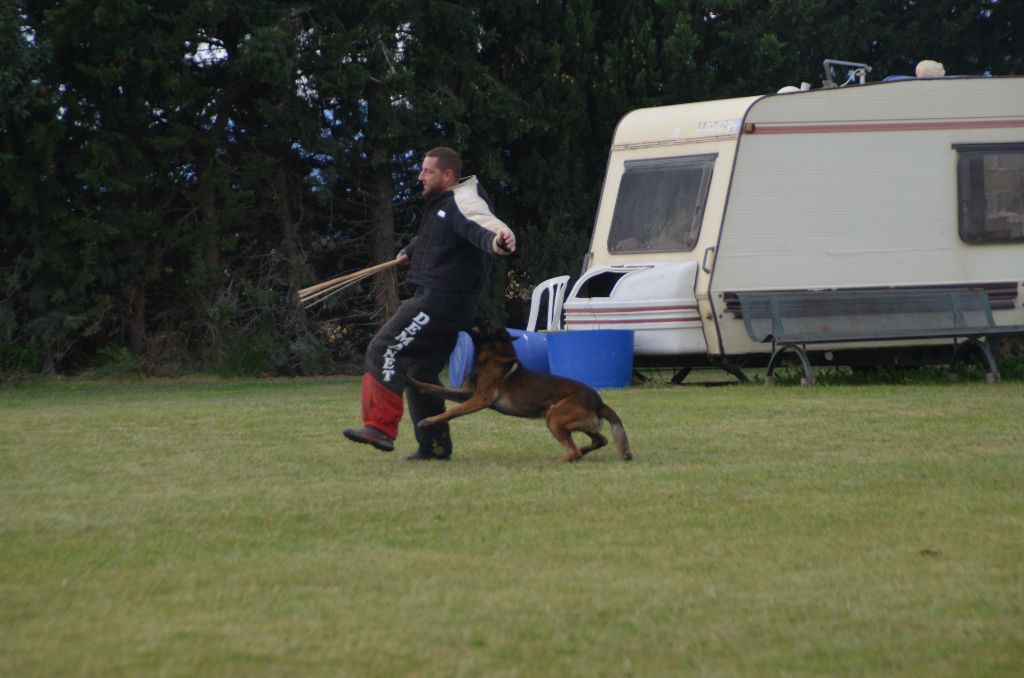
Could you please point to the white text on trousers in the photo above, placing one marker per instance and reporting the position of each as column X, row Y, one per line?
column 404, row 338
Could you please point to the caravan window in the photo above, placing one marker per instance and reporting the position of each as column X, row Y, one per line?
column 990, row 184
column 660, row 204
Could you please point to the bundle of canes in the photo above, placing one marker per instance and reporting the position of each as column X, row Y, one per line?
column 311, row 296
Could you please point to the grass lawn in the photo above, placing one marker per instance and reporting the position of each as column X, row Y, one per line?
column 205, row 527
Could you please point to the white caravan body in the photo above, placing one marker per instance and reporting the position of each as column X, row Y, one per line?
column 916, row 183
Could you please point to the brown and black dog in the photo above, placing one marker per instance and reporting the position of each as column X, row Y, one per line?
column 499, row 381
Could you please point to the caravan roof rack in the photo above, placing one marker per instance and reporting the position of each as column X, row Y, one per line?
column 855, row 70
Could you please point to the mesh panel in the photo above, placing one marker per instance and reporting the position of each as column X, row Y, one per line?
column 823, row 316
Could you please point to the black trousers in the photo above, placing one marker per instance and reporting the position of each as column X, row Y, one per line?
column 417, row 342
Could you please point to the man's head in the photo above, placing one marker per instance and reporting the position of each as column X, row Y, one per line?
column 441, row 170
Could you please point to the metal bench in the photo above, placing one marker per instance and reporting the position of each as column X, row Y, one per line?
column 792, row 320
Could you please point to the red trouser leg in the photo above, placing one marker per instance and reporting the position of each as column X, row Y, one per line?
column 382, row 407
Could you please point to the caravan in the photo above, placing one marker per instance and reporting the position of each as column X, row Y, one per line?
column 915, row 184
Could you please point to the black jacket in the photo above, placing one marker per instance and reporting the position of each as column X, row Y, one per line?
column 455, row 243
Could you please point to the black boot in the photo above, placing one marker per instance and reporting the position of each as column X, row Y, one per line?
column 434, row 442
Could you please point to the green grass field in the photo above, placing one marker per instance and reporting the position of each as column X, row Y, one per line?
column 204, row 527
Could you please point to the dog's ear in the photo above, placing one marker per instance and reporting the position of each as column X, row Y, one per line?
column 501, row 334
column 484, row 331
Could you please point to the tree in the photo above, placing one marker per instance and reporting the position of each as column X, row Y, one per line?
column 394, row 80
column 170, row 173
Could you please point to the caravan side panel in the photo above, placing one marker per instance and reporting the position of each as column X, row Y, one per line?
column 857, row 187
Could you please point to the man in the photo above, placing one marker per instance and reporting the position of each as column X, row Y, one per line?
column 450, row 262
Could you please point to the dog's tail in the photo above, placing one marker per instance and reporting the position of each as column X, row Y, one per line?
column 618, row 431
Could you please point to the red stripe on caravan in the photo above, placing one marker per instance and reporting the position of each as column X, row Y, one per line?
column 633, row 310
column 643, row 321
column 774, row 128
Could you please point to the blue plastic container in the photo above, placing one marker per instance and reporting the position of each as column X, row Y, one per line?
column 531, row 349
column 598, row 358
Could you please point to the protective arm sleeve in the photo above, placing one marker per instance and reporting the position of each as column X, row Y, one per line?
column 478, row 225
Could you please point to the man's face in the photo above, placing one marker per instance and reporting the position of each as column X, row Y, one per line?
column 435, row 180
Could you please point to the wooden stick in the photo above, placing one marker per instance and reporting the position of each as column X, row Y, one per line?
column 324, row 288
column 330, row 291
column 309, row 303
column 331, row 287
column 358, row 275
column 306, row 291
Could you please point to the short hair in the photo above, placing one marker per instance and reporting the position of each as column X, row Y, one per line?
column 447, row 159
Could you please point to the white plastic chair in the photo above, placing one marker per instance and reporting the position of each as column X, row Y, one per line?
column 555, row 289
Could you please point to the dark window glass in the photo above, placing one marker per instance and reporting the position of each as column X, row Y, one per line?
column 660, row 204
column 990, row 188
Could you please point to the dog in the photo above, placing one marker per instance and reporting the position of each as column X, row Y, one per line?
column 500, row 382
